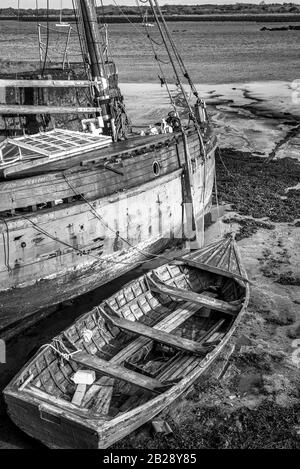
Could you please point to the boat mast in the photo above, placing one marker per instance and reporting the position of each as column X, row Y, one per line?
column 91, row 34
column 88, row 14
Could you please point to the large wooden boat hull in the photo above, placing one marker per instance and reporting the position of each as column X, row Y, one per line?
column 39, row 397
column 70, row 227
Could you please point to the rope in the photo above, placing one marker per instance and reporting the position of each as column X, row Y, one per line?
column 65, row 355
column 127, row 17
column 151, row 42
column 151, row 38
column 80, row 251
column 177, row 54
column 159, row 61
column 192, row 115
column 221, row 159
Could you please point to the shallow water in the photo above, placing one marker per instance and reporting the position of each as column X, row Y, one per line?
column 214, row 52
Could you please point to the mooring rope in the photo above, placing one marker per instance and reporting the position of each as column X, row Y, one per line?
column 66, row 355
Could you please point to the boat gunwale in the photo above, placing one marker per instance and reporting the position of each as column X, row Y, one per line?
column 123, row 154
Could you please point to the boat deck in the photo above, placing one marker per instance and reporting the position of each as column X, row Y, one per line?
column 83, row 155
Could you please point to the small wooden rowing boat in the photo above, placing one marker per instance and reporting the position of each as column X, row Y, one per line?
column 122, row 363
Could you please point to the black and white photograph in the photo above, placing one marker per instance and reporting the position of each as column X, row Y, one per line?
column 149, row 227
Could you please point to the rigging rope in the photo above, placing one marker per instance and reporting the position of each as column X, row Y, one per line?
column 159, row 61
column 171, row 58
column 127, row 17
column 66, row 355
column 192, row 115
column 141, row 251
column 175, row 50
column 82, row 252
column 177, row 54
column 222, row 161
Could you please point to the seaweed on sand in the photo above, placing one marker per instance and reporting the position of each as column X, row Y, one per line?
column 256, row 188
column 248, row 226
column 268, row 426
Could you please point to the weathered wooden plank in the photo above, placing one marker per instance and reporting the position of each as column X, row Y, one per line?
column 56, row 401
column 104, row 395
column 93, row 390
column 117, row 371
column 145, row 144
column 6, row 109
column 166, row 372
column 156, row 285
column 25, row 165
column 155, row 334
column 210, row 268
column 169, row 323
column 79, row 394
column 10, row 82
column 119, row 149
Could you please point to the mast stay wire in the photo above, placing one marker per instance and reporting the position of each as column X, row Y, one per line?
column 192, row 115
column 151, row 40
column 159, row 61
column 103, row 32
column 138, row 30
column 176, row 52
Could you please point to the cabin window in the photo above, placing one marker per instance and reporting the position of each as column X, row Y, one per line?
column 156, row 168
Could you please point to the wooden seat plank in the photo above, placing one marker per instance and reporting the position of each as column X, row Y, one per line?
column 94, row 388
column 168, row 324
column 166, row 338
column 210, row 268
column 158, row 286
column 170, row 371
column 116, row 371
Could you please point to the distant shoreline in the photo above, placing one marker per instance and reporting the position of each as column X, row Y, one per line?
column 259, row 18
